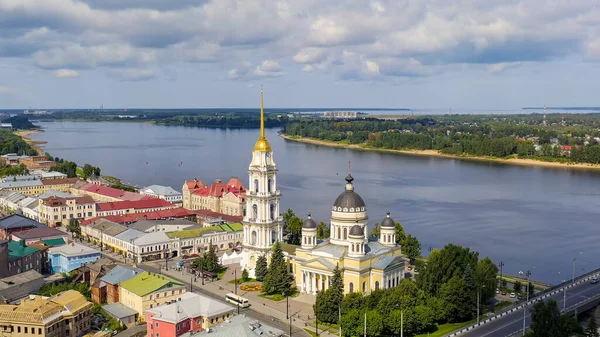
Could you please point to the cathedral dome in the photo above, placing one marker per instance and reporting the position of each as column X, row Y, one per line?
column 388, row 222
column 349, row 201
column 309, row 223
column 356, row 230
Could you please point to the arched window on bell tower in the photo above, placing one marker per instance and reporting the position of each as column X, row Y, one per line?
column 256, row 185
column 255, row 211
column 269, row 185
column 272, row 211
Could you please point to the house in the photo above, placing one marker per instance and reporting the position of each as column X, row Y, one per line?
column 38, row 186
column 66, row 314
column 234, row 327
column 21, row 285
column 110, row 282
column 22, row 257
column 131, row 207
column 566, row 150
column 123, row 314
column 15, row 223
column 192, row 314
column 66, row 258
column 148, row 290
column 56, row 211
column 227, row 198
column 173, row 213
column 38, row 234
column 163, row 192
column 198, row 240
column 102, row 193
column 91, row 272
column 37, row 162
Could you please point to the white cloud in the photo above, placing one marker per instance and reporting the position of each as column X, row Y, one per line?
column 66, row 73
column 500, row 67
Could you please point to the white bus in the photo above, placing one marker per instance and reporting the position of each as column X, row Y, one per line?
column 237, row 300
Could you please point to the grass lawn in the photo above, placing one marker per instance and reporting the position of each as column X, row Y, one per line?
column 239, row 281
column 502, row 305
column 221, row 273
column 112, row 180
column 279, row 297
column 310, row 332
column 446, row 329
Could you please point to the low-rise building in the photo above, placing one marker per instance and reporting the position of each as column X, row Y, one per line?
column 66, row 314
column 38, row 234
column 19, row 286
column 91, row 272
column 102, row 193
column 71, row 256
column 237, row 326
column 192, row 314
column 164, row 225
column 123, row 314
column 106, row 288
column 195, row 241
column 148, row 290
column 132, row 207
column 163, row 192
column 227, row 198
column 22, row 257
column 37, row 162
column 56, row 211
column 174, row 213
column 38, row 186
column 15, row 223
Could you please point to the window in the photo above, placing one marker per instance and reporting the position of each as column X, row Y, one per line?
column 178, row 327
column 364, row 287
column 157, row 324
column 351, row 287
column 25, row 329
column 376, row 285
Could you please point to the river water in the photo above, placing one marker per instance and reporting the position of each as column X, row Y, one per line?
column 527, row 217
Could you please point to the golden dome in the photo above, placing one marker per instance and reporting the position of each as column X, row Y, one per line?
column 262, row 145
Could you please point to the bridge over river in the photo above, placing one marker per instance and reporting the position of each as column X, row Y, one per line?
column 572, row 297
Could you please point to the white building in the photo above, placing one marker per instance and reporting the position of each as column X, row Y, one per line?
column 262, row 222
column 163, row 192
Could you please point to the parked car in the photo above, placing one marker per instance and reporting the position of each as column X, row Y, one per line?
column 512, row 295
column 503, row 292
column 594, row 280
column 519, row 297
column 497, row 291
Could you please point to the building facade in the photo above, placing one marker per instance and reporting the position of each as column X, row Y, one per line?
column 66, row 258
column 226, row 198
column 262, row 221
column 198, row 240
column 163, row 192
column 148, row 290
column 66, row 314
column 132, row 207
column 55, row 211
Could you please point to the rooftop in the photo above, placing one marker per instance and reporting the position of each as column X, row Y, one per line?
column 192, row 305
column 151, row 238
column 73, row 249
column 241, row 326
column 119, row 311
column 57, row 201
column 54, row 242
column 225, row 217
column 111, row 192
column 38, row 233
column 17, row 250
column 19, row 279
column 146, row 283
column 60, row 181
column 120, row 274
column 161, row 190
column 18, row 221
column 106, row 226
column 192, row 233
column 129, row 218
column 40, row 310
column 22, row 183
column 144, row 225
column 129, row 234
column 58, row 194
column 137, row 204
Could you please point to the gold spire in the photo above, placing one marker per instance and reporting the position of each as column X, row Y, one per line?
column 262, row 144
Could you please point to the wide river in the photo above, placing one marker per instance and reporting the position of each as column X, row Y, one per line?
column 527, row 217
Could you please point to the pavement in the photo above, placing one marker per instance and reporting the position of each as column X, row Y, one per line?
column 512, row 322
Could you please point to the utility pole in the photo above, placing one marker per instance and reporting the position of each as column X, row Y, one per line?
column 501, row 264
column 401, row 323
column 574, row 269
column 478, row 291
column 365, row 324
column 291, row 326
column 101, row 239
column 528, row 273
column 166, row 260
column 191, row 280
column 340, row 318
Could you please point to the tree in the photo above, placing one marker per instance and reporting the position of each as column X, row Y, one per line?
column 443, row 265
column 329, row 302
column 400, row 235
column 88, row 171
column 261, row 268
column 376, row 231
column 517, row 286
column 486, row 274
column 546, row 321
column 74, row 228
column 245, row 276
column 294, row 229
column 411, row 248
column 592, row 328
column 288, row 215
column 532, row 290
column 323, row 231
column 277, row 280
column 209, row 261
column 351, row 323
column 97, row 171
column 459, row 307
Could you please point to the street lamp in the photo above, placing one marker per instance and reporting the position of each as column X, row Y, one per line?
column 478, row 300
column 528, row 273
column 501, row 264
column 287, row 305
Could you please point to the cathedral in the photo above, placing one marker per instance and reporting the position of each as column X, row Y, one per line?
column 367, row 263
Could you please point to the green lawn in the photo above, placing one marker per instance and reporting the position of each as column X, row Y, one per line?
column 221, row 273
column 279, row 297
column 79, row 172
column 239, row 281
column 446, row 329
column 502, row 305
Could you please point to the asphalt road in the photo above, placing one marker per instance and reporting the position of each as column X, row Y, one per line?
column 513, row 322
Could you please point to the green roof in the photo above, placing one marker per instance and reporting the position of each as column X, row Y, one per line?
column 146, row 283
column 288, row 248
column 17, row 250
column 54, row 242
column 193, row 233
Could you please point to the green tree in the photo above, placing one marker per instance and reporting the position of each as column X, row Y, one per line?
column 323, row 231
column 546, row 321
column 443, row 265
column 261, row 268
column 245, row 276
column 88, row 171
column 294, row 230
column 418, row 320
column 351, row 323
column 329, row 302
column 209, row 261
column 400, row 235
column 459, row 307
column 532, row 290
column 376, row 231
column 517, row 286
column 592, row 328
column 411, row 247
column 97, row 171
column 288, row 215
column 486, row 274
column 277, row 280
column 74, row 228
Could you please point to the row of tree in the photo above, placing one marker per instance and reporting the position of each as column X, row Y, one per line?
column 11, row 143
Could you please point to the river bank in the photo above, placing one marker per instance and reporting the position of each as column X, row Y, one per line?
column 435, row 153
column 34, row 143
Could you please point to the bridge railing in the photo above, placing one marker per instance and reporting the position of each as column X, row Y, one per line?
column 517, row 306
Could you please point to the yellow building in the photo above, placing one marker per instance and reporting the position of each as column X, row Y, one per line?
column 53, row 210
column 226, row 198
column 39, row 186
column 66, row 314
column 149, row 290
column 367, row 264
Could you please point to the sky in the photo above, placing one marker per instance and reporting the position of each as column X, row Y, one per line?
column 459, row 54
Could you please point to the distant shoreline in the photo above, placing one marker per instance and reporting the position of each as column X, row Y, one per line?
column 435, row 153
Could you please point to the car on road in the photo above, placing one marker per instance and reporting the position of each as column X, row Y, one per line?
column 512, row 295
column 594, row 280
column 503, row 292
column 520, row 297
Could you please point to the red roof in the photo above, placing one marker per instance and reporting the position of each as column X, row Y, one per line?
column 209, row 213
column 219, row 188
column 129, row 218
column 137, row 204
column 113, row 192
column 60, row 181
column 194, row 184
column 54, row 201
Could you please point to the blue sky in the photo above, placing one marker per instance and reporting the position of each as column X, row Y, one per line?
column 461, row 54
